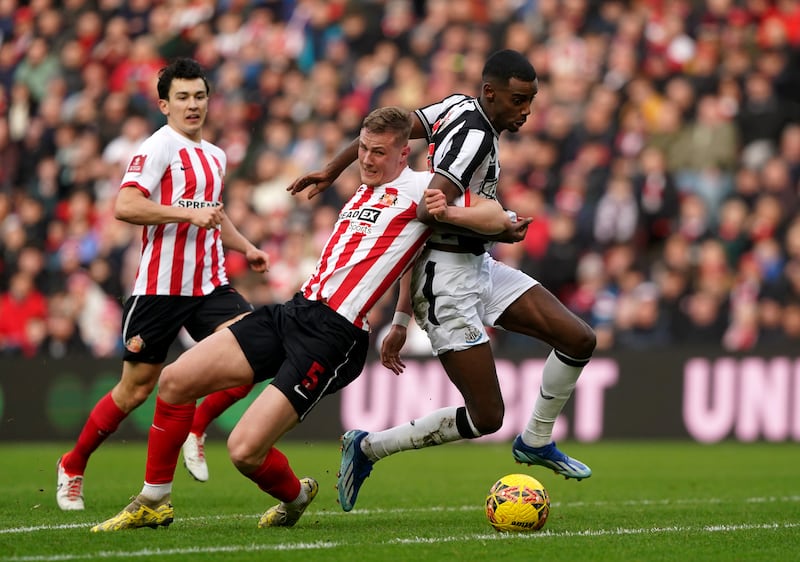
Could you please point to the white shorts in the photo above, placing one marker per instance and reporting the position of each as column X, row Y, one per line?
column 456, row 295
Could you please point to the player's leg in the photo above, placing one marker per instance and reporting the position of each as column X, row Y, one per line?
column 325, row 353
column 539, row 314
column 135, row 385
column 149, row 327
column 251, row 448
column 217, row 311
column 216, row 362
column 472, row 371
column 446, row 290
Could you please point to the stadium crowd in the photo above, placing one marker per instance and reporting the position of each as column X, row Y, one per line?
column 661, row 163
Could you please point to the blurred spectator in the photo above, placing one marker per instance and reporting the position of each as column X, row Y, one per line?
column 20, row 307
column 62, row 338
column 647, row 327
column 703, row 320
column 657, row 197
column 707, row 152
column 617, row 214
column 762, row 116
column 98, row 316
column 732, row 230
column 39, row 68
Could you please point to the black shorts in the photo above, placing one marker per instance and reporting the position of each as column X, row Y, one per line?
column 150, row 323
column 309, row 349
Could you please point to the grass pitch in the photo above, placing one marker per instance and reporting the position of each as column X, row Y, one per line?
column 645, row 502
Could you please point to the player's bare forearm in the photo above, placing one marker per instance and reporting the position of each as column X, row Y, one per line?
column 393, row 343
column 404, row 294
column 232, row 239
column 483, row 216
column 134, row 207
column 322, row 179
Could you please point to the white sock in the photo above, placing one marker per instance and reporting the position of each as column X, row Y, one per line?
column 433, row 429
column 155, row 492
column 559, row 376
column 301, row 498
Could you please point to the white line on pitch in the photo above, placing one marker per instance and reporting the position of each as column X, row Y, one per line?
column 105, row 554
column 328, row 513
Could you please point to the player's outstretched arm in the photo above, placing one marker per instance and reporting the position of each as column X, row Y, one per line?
column 322, row 179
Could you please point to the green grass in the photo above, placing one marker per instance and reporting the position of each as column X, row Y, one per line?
column 645, row 502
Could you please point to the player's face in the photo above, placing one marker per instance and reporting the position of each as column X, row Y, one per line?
column 187, row 107
column 381, row 157
column 510, row 104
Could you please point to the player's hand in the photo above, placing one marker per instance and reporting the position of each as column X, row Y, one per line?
column 390, row 349
column 319, row 180
column 258, row 259
column 436, row 203
column 516, row 231
column 207, row 217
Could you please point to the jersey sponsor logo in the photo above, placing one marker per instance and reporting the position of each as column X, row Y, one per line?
column 472, row 334
column 135, row 344
column 137, row 164
column 364, row 215
column 299, row 390
column 192, row 204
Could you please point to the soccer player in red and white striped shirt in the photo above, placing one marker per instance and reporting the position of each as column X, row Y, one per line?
column 313, row 345
column 173, row 188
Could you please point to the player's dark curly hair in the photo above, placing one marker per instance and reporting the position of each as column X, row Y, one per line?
column 183, row 68
column 504, row 65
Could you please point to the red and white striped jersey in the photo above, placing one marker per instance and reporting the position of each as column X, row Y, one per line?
column 178, row 258
column 376, row 238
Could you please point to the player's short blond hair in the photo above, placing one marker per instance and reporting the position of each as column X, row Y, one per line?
column 390, row 119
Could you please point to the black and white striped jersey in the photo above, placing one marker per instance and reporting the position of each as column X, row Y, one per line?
column 462, row 146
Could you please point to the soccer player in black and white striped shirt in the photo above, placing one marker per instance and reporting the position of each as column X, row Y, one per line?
column 457, row 288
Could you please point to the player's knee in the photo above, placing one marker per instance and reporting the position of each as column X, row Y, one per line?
column 581, row 343
column 488, row 422
column 128, row 396
column 242, row 456
column 140, row 394
column 172, row 387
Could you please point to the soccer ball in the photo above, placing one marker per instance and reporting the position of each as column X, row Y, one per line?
column 517, row 502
